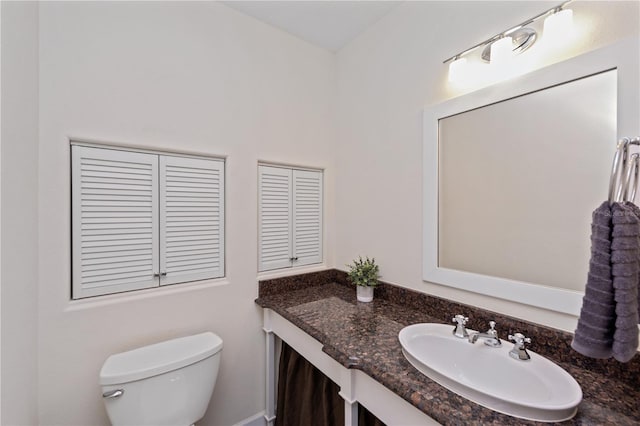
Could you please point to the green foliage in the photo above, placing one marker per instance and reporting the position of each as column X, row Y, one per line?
column 364, row 272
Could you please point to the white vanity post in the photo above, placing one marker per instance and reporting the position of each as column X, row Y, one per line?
column 270, row 358
column 347, row 390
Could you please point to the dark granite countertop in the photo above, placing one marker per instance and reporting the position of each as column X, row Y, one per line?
column 364, row 336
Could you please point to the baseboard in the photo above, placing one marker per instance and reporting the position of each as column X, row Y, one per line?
column 255, row 420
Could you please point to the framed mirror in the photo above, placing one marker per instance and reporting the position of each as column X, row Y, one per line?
column 512, row 173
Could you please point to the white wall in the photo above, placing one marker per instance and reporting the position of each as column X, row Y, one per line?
column 191, row 76
column 385, row 79
column 19, row 212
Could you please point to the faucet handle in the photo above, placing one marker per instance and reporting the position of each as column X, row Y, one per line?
column 519, row 339
column 460, row 319
column 460, row 330
column 519, row 350
column 492, row 328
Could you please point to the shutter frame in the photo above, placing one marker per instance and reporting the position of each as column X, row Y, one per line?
column 275, row 232
column 104, row 214
column 307, row 217
column 192, row 237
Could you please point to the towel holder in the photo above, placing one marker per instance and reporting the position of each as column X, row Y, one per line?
column 630, row 188
column 625, row 170
column 619, row 157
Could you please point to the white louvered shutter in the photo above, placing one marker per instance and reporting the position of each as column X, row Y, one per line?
column 307, row 217
column 274, row 235
column 114, row 224
column 191, row 219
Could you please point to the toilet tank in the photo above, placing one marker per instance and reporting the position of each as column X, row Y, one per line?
column 168, row 383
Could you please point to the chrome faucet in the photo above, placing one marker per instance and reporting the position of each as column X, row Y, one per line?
column 460, row 330
column 490, row 336
column 519, row 350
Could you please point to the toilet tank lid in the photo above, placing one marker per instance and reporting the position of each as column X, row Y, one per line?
column 158, row 358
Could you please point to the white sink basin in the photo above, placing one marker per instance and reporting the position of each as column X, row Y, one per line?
column 536, row 389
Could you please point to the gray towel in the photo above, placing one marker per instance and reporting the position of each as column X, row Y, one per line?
column 625, row 258
column 596, row 325
column 636, row 210
column 608, row 320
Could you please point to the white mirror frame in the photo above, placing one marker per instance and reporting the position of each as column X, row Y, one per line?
column 622, row 56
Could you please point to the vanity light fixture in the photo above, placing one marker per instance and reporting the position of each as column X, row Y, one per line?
column 456, row 69
column 556, row 25
column 521, row 39
column 515, row 40
column 501, row 50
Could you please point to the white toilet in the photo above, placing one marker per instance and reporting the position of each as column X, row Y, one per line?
column 168, row 383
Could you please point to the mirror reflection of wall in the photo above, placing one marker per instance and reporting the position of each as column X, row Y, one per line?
column 518, row 181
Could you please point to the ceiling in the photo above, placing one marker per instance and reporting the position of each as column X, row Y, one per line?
column 328, row 24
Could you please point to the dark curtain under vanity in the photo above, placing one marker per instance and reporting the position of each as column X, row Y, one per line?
column 307, row 397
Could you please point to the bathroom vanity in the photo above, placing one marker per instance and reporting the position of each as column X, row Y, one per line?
column 356, row 345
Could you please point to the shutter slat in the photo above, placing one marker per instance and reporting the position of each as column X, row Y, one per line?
column 205, row 209
column 142, row 251
column 112, row 199
column 191, row 238
column 273, row 238
column 193, row 168
column 117, row 192
column 117, row 164
column 91, row 208
column 111, row 230
column 273, row 258
column 192, row 218
column 191, row 252
column 121, row 277
column 180, row 233
column 105, row 286
column 102, row 174
column 210, row 186
column 114, row 221
column 116, row 269
column 107, row 243
column 179, row 263
column 195, row 244
column 99, row 182
column 193, row 224
column 173, row 229
column 307, row 248
column 187, row 191
column 110, row 214
column 195, row 270
column 183, row 177
column 107, row 247
column 108, row 260
column 191, row 202
column 119, row 236
column 276, row 252
column 115, row 230
column 199, row 255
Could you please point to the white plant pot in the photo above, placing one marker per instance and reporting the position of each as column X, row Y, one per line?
column 365, row 294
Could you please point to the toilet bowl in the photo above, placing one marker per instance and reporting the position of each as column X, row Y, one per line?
column 168, row 383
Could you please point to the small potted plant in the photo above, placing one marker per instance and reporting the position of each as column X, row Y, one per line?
column 364, row 274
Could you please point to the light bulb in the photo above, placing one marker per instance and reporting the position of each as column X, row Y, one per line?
column 558, row 28
column 457, row 70
column 501, row 51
